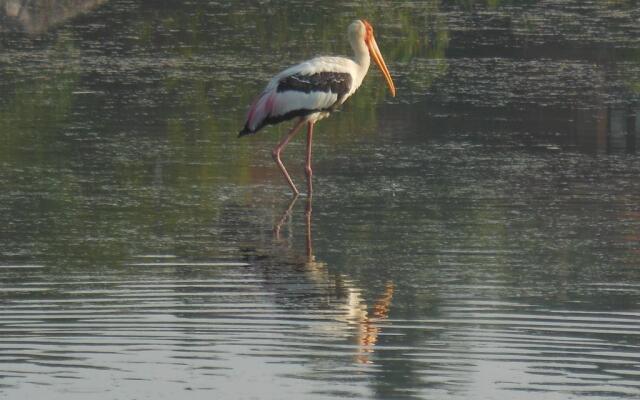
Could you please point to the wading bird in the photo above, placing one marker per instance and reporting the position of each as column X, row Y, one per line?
column 313, row 89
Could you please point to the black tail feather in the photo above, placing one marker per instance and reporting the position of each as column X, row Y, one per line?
column 245, row 131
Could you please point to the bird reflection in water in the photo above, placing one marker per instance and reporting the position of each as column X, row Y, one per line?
column 356, row 311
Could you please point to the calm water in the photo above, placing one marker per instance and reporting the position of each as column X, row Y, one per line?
column 477, row 236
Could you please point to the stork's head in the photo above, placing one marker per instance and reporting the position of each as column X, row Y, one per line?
column 361, row 30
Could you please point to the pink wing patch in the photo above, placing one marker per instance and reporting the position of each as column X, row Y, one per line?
column 260, row 110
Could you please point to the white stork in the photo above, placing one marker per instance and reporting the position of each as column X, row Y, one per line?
column 313, row 89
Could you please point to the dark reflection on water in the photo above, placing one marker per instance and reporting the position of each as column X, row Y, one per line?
column 606, row 130
column 477, row 236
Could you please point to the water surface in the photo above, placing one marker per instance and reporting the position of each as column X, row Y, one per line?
column 476, row 236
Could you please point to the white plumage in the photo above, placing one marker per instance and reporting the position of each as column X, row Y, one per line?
column 273, row 103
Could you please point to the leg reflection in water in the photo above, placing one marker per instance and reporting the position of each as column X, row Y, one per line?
column 286, row 216
column 354, row 310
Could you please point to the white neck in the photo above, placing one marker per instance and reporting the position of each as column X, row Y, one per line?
column 361, row 57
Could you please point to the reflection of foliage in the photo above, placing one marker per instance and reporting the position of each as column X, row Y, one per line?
column 39, row 105
column 421, row 40
column 631, row 71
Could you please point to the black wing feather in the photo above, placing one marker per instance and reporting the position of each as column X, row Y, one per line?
column 334, row 82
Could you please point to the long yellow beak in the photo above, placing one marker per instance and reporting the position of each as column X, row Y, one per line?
column 377, row 57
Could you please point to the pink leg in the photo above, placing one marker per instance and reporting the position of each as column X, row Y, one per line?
column 278, row 149
column 308, row 169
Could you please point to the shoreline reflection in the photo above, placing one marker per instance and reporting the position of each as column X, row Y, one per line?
column 38, row 16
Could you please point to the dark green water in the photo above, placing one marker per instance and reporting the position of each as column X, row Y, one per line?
column 478, row 236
